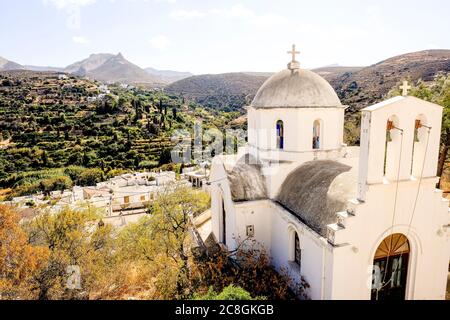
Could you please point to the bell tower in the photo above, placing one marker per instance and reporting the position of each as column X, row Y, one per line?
column 399, row 141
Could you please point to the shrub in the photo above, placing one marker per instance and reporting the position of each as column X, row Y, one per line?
column 249, row 268
column 90, row 177
column 230, row 292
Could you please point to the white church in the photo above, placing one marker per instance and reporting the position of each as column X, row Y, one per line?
column 361, row 222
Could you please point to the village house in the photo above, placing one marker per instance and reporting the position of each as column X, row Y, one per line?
column 120, row 199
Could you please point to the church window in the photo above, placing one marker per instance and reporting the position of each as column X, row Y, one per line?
column 391, row 268
column 297, row 250
column 316, row 143
column 280, row 135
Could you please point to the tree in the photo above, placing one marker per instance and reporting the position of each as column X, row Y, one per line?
column 74, row 172
column 165, row 157
column 44, row 158
column 174, row 112
column 157, row 248
column 172, row 214
column 90, row 177
column 55, row 183
column 19, row 261
column 74, row 239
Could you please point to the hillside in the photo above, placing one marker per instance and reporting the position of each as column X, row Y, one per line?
column 368, row 85
column 356, row 86
column 168, row 76
column 9, row 65
column 333, row 73
column 48, row 124
column 227, row 91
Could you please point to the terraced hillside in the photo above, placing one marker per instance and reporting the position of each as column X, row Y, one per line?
column 50, row 122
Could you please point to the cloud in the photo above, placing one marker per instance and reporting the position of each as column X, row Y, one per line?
column 73, row 10
column 238, row 11
column 80, row 40
column 186, row 14
column 65, row 4
column 160, row 42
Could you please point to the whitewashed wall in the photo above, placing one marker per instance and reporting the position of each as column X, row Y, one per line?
column 429, row 240
column 298, row 128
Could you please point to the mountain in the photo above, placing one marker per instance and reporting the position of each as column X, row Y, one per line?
column 43, row 69
column 110, row 68
column 93, row 62
column 6, row 65
column 332, row 73
column 227, row 91
column 370, row 84
column 260, row 74
column 118, row 69
column 168, row 76
column 356, row 86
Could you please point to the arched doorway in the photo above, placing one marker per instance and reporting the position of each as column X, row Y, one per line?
column 390, row 268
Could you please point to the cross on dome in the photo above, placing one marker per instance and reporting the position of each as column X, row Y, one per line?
column 405, row 87
column 293, row 64
column 293, row 53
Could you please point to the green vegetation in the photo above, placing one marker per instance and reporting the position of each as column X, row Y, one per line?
column 150, row 259
column 229, row 293
column 55, row 129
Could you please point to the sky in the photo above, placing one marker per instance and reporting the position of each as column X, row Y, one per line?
column 211, row 36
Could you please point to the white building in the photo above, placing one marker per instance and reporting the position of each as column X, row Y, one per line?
column 356, row 222
column 104, row 89
column 128, row 194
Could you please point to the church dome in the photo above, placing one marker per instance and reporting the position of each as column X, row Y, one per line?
column 317, row 190
column 294, row 88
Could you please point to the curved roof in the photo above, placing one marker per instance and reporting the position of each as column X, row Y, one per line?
column 317, row 190
column 246, row 180
column 296, row 88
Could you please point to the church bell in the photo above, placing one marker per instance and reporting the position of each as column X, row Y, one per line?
column 416, row 130
column 389, row 127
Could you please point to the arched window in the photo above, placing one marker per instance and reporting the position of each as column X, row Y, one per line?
column 297, row 250
column 316, row 142
column 280, row 135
